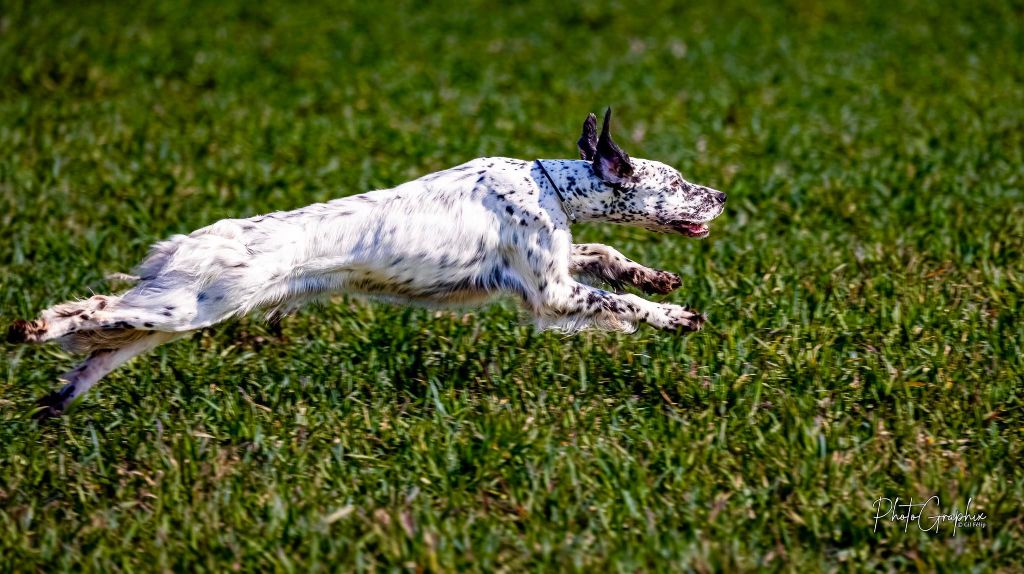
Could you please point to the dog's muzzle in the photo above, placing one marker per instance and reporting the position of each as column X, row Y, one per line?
column 692, row 229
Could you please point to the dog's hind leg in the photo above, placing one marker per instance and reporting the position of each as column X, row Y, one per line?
column 601, row 263
column 68, row 322
column 62, row 319
column 103, row 321
column 99, row 364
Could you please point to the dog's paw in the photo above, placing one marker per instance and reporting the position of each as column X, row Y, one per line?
column 50, row 406
column 22, row 331
column 653, row 281
column 676, row 318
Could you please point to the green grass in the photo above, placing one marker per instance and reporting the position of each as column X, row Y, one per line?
column 865, row 288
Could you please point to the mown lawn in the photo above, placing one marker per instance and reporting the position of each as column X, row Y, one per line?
column 865, row 289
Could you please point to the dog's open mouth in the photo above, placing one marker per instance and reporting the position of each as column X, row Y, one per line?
column 692, row 229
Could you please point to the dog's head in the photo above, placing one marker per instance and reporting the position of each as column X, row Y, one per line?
column 646, row 193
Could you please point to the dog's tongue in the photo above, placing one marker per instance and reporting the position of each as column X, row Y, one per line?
column 695, row 227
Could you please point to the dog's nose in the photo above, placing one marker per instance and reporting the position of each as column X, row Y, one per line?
column 720, row 197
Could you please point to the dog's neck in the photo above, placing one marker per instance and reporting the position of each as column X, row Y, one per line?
column 583, row 193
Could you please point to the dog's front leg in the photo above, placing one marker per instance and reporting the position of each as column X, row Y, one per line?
column 570, row 306
column 602, row 263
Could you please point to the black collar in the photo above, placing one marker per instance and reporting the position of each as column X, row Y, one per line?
column 558, row 192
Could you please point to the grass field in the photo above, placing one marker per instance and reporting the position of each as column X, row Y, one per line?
column 865, row 289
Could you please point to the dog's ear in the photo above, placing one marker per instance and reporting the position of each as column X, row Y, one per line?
column 588, row 141
column 610, row 163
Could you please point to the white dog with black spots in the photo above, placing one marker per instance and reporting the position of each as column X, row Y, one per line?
column 492, row 226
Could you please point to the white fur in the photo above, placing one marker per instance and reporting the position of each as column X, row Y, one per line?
column 492, row 226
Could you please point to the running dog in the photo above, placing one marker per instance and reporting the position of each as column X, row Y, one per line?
column 492, row 226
